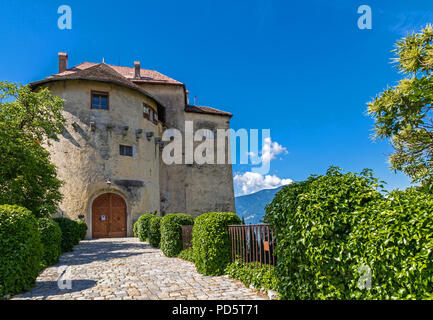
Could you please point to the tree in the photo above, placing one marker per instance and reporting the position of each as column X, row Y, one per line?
column 29, row 119
column 403, row 113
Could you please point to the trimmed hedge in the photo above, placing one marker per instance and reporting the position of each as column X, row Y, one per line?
column 211, row 243
column 20, row 249
column 394, row 239
column 253, row 274
column 135, row 229
column 51, row 239
column 82, row 229
column 155, row 231
column 171, row 232
column 143, row 227
column 70, row 233
column 313, row 222
column 187, row 254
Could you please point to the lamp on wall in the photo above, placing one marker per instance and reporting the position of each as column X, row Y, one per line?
column 108, row 182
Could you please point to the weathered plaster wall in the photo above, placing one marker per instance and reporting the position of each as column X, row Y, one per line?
column 172, row 177
column 86, row 158
column 209, row 187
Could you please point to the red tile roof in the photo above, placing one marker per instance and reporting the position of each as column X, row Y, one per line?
column 207, row 110
column 151, row 76
column 123, row 76
column 97, row 72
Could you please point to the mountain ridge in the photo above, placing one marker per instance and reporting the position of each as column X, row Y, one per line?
column 251, row 207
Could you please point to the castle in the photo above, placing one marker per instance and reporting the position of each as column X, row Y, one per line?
column 109, row 154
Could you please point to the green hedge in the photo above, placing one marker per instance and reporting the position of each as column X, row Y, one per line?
column 135, row 229
column 313, row 222
column 70, row 233
column 253, row 274
column 155, row 231
column 187, row 254
column 20, row 250
column 143, row 226
column 211, row 241
column 394, row 239
column 82, row 229
column 51, row 238
column 171, row 232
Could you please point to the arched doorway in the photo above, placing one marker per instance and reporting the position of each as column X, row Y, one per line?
column 108, row 216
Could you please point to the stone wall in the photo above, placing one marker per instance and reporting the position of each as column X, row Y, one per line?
column 87, row 157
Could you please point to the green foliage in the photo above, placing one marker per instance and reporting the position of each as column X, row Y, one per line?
column 211, row 241
column 171, row 232
column 135, row 229
column 403, row 113
column 82, row 226
column 27, row 177
column 20, row 249
column 70, row 233
column 155, row 231
column 51, row 239
column 312, row 223
column 187, row 254
column 253, row 274
column 143, row 227
column 395, row 239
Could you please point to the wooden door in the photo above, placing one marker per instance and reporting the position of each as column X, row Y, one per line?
column 108, row 216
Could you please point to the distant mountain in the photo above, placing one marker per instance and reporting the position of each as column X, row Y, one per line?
column 252, row 206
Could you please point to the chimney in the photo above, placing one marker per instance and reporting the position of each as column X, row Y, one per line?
column 187, row 96
column 137, row 69
column 63, row 61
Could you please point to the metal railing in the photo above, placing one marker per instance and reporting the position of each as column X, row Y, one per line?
column 186, row 237
column 253, row 243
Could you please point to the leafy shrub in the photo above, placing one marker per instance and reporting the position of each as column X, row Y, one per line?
column 313, row 222
column 70, row 233
column 253, row 274
column 82, row 226
column 171, row 232
column 51, row 238
column 135, row 229
column 20, row 249
column 211, row 241
column 187, row 254
column 394, row 239
column 143, row 227
column 155, row 231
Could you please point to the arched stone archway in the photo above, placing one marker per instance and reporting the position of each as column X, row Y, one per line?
column 109, row 217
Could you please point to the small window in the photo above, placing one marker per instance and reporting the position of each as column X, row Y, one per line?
column 149, row 113
column 146, row 110
column 126, row 151
column 99, row 100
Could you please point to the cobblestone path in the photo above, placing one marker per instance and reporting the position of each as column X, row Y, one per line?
column 126, row 269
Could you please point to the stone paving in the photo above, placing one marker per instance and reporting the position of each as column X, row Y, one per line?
column 126, row 269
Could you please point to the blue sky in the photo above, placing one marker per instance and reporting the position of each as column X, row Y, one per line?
column 302, row 69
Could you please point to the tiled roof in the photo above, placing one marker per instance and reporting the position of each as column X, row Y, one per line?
column 127, row 72
column 207, row 110
column 98, row 72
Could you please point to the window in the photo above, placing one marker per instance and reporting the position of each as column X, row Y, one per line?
column 149, row 113
column 99, row 100
column 146, row 110
column 126, row 151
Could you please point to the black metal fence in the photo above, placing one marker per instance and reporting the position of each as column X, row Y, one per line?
column 253, row 243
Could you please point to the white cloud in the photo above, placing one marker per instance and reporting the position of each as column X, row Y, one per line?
column 250, row 182
column 270, row 150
